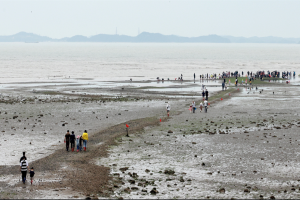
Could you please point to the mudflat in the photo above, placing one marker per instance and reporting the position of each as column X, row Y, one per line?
column 245, row 146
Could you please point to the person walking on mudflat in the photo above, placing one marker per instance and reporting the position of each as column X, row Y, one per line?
column 206, row 94
column 72, row 140
column 194, row 106
column 67, row 140
column 168, row 109
column 201, row 106
column 78, row 140
column 31, row 175
column 205, row 105
column 23, row 169
column 85, row 138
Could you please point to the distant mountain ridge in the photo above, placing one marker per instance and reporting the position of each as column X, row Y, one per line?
column 146, row 37
column 24, row 37
column 269, row 39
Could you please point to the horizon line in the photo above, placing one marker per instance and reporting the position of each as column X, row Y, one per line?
column 153, row 33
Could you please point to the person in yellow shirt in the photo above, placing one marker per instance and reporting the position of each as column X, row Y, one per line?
column 85, row 138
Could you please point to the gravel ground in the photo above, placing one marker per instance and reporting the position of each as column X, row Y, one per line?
column 253, row 153
column 37, row 122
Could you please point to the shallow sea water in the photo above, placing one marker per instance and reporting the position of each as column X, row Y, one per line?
column 41, row 62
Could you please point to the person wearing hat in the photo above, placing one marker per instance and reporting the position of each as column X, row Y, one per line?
column 67, row 140
column 85, row 138
column 72, row 141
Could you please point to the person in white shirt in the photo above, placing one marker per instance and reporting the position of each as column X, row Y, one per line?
column 205, row 105
column 201, row 106
column 194, row 106
column 168, row 107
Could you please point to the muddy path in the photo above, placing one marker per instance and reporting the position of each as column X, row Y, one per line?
column 77, row 170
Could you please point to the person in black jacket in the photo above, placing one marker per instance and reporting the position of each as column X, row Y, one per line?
column 206, row 94
column 67, row 140
column 31, row 175
column 72, row 141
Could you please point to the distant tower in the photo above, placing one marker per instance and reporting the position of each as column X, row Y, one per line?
column 139, row 31
column 116, row 30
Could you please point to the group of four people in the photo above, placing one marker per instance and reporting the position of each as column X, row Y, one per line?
column 81, row 140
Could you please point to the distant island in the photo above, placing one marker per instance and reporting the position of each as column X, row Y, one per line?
column 146, row 37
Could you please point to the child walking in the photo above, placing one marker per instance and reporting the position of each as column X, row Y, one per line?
column 31, row 175
column 191, row 108
column 78, row 143
column 201, row 106
column 168, row 109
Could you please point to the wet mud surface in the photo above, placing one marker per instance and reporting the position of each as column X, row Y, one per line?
column 244, row 147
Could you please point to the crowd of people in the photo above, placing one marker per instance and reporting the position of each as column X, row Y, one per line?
column 249, row 77
column 248, row 74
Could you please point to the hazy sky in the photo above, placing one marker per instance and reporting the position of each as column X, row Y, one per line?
column 65, row 18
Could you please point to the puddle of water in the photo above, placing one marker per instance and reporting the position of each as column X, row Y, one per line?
column 187, row 89
column 93, row 83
